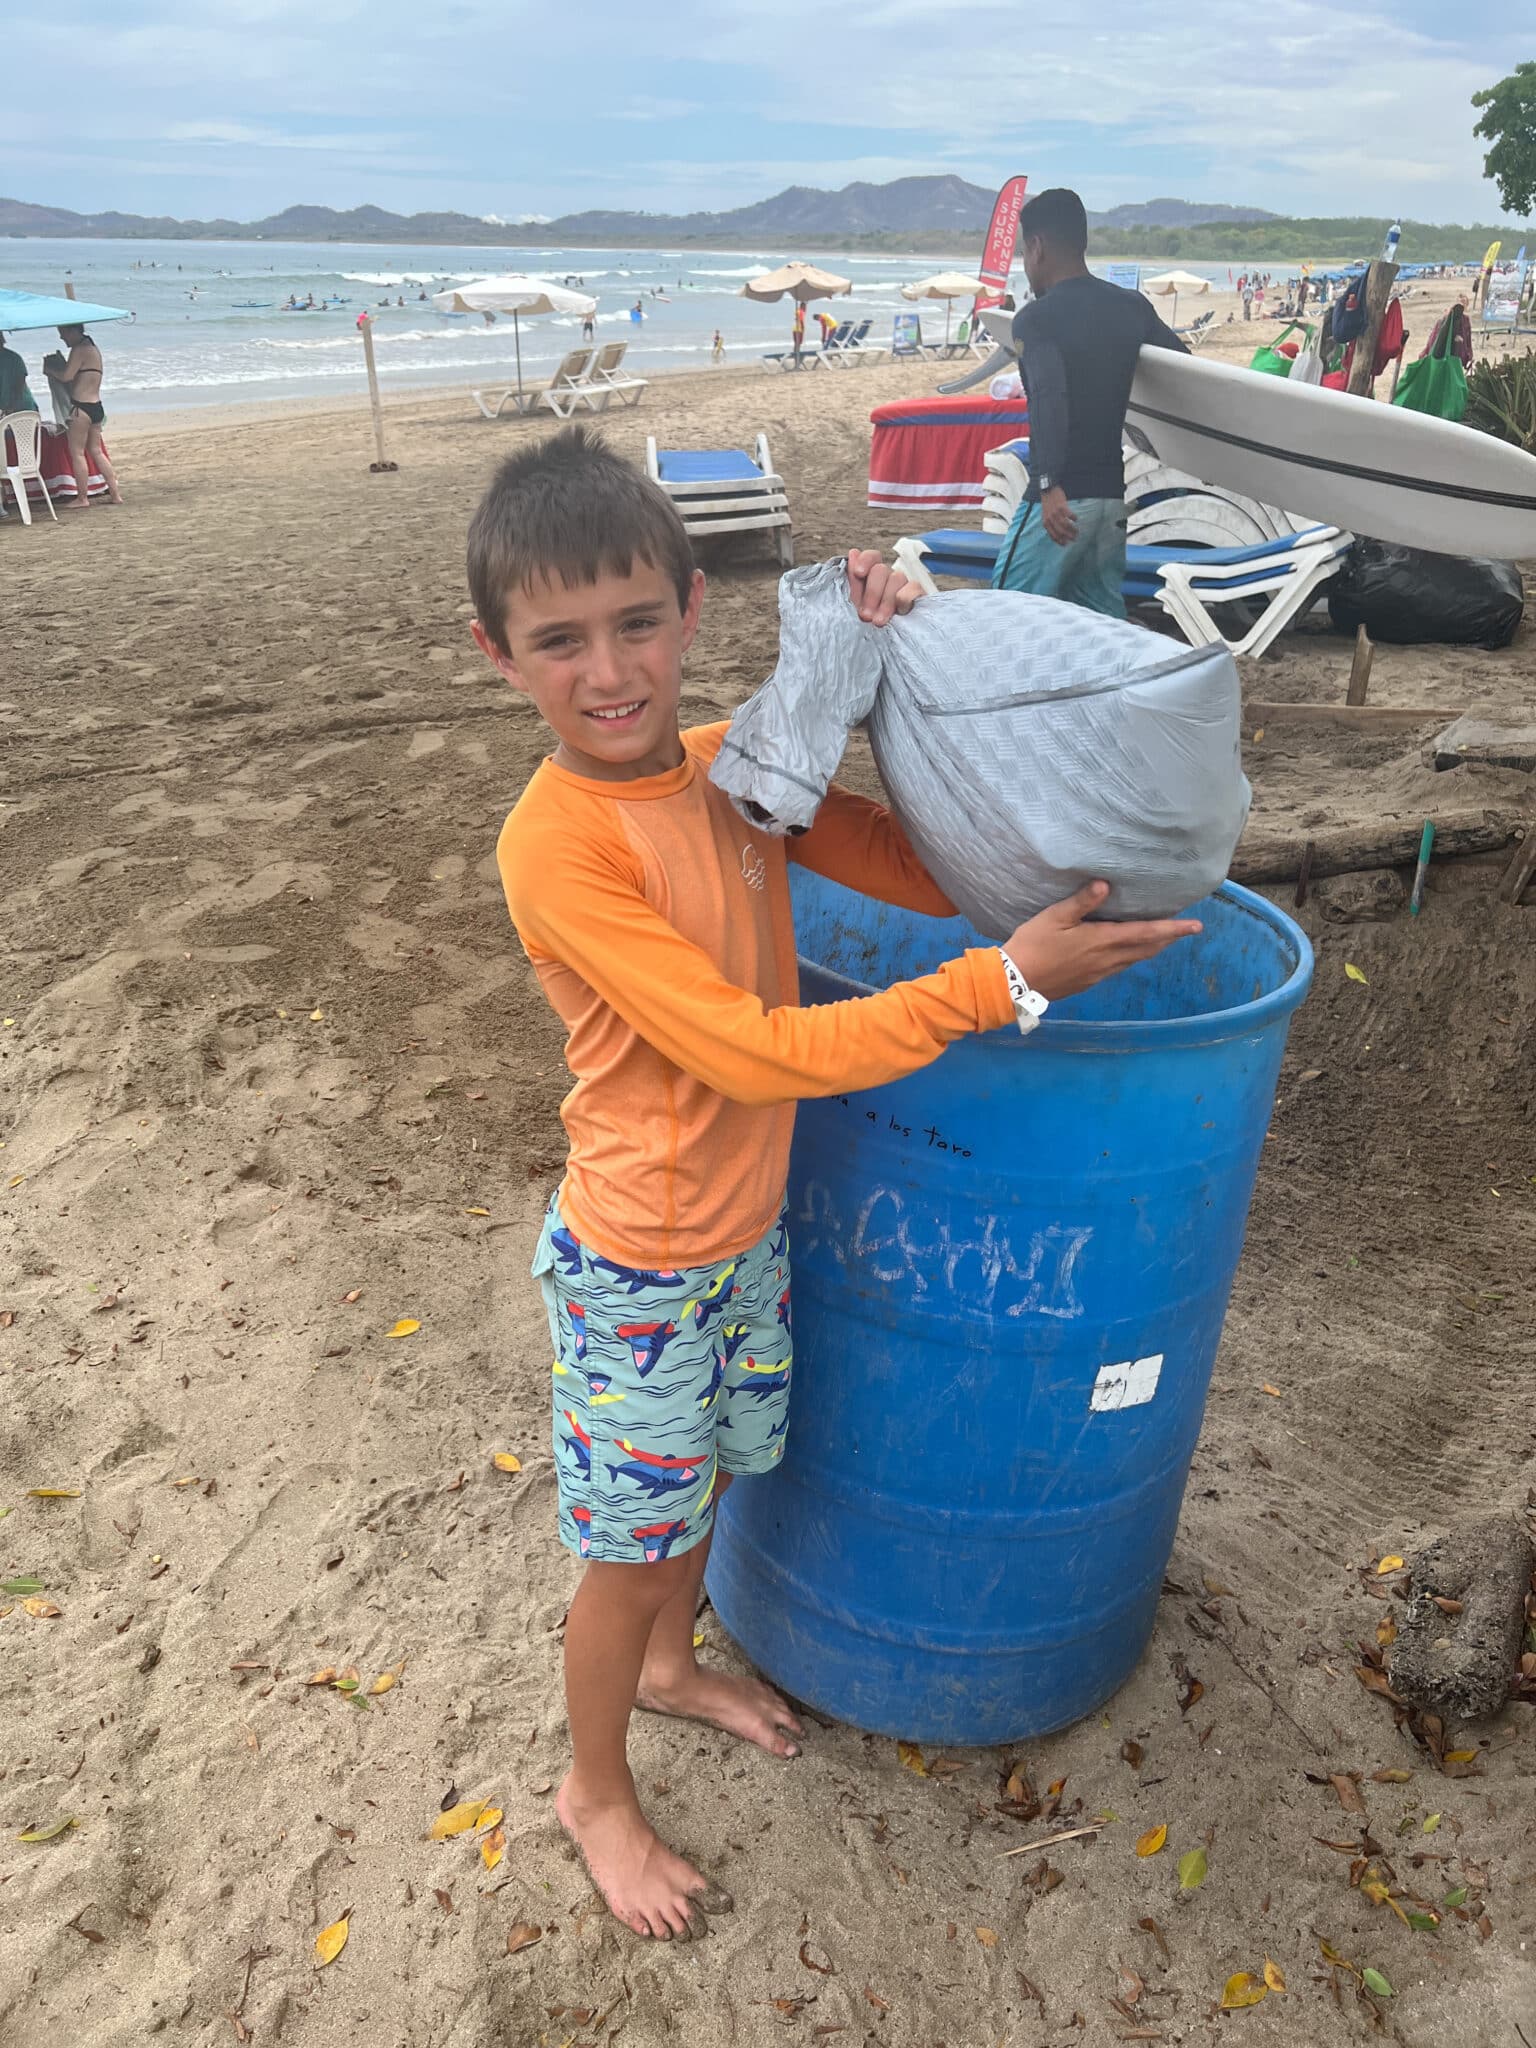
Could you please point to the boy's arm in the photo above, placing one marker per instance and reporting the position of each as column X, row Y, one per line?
column 585, row 911
column 862, row 845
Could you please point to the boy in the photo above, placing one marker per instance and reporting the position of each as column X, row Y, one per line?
column 1078, row 341
column 658, row 922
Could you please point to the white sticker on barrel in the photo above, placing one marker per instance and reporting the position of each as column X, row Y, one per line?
column 1127, row 1385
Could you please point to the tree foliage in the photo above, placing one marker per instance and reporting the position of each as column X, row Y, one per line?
column 1509, row 123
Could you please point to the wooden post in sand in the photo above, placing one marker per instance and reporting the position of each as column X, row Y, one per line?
column 1379, row 280
column 1360, row 667
column 366, row 324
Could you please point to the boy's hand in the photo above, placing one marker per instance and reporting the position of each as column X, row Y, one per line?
column 877, row 590
column 1059, row 955
column 1056, row 512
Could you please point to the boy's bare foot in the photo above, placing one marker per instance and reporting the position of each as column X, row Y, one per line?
column 643, row 1883
column 741, row 1706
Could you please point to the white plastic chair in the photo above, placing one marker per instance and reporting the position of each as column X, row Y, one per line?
column 605, row 373
column 26, row 435
column 571, row 372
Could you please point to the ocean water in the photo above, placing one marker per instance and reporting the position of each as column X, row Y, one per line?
column 208, row 328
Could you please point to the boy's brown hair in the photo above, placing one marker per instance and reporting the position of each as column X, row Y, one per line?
column 568, row 509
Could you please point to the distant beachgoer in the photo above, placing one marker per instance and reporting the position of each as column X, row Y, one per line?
column 637, row 311
column 80, row 374
column 588, row 327
column 14, row 394
column 1245, row 290
column 717, row 348
column 828, row 327
column 1078, row 341
column 799, row 327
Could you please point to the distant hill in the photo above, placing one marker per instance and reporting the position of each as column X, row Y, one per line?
column 943, row 215
column 802, row 214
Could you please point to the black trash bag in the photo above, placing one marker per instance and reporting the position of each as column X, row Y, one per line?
column 1407, row 596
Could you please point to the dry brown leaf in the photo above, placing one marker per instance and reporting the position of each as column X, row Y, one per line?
column 1193, row 1691
column 458, row 1820
column 876, row 2000
column 1348, row 1791
column 493, row 1847
column 522, row 1935
column 986, row 1937
column 324, row 1677
column 822, row 1969
column 330, row 1941
column 443, row 1899
column 355, row 1295
column 1153, row 1840
column 1132, row 1752
column 1391, row 1777
column 505, row 1462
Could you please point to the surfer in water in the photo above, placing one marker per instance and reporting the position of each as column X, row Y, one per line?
column 1078, row 340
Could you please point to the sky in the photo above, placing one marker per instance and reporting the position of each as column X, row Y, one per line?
column 240, row 108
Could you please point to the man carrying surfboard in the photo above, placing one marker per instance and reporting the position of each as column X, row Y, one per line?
column 1078, row 340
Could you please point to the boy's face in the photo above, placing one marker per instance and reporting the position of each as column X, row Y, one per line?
column 603, row 662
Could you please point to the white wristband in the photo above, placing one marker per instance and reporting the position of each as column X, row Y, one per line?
column 1029, row 1006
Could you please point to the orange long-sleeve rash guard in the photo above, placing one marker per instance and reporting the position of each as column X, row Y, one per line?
column 659, row 924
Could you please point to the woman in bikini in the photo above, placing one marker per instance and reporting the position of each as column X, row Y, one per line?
column 81, row 377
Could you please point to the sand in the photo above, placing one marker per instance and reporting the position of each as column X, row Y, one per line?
column 278, row 1076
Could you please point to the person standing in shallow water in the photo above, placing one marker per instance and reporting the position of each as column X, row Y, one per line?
column 80, row 374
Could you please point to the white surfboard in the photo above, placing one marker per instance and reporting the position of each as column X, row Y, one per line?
column 1372, row 468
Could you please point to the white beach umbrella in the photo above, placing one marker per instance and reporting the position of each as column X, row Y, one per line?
column 1171, row 283
column 947, row 285
column 514, row 295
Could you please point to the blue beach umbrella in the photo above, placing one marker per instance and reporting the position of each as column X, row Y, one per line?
column 22, row 310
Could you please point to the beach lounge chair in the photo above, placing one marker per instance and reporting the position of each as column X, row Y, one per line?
column 795, row 359
column 21, row 451
column 495, row 402
column 1197, row 330
column 854, row 348
column 725, row 491
column 1191, row 548
column 573, row 385
column 605, row 373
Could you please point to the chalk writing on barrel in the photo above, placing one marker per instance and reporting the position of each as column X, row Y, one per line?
column 977, row 1264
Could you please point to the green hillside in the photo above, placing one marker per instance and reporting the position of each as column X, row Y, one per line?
column 1282, row 240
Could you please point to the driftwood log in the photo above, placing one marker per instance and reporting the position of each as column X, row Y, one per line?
column 1274, row 854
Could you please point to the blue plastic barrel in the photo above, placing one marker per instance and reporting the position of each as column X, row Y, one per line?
column 1010, row 1274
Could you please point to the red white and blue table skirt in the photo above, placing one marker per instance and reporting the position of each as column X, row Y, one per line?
column 930, row 454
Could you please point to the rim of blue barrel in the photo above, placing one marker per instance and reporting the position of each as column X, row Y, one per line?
column 1124, row 1034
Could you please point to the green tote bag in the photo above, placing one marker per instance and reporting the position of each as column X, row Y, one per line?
column 1436, row 383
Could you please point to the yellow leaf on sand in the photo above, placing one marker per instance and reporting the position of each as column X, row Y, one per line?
column 52, row 1832
column 53, row 1492
column 1273, row 1392
column 458, row 1820
column 40, row 1609
column 317, row 1016
column 1460, row 1756
column 1192, row 1869
column 477, row 1212
column 1429, row 1824
column 1354, row 973
column 1149, row 1843
column 493, row 1848
column 384, row 1682
column 406, row 1327
column 698, row 1639
column 322, row 1677
column 909, row 1754
column 1386, row 1631
column 1243, row 1989
column 1273, row 1975
column 491, row 1818
column 505, row 1462
column 1388, row 1564
column 330, row 1941
column 986, row 1937
column 1259, row 734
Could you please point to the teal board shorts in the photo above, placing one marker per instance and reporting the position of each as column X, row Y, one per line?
column 1088, row 571
column 660, row 1379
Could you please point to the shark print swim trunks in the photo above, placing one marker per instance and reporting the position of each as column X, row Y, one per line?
column 660, row 1379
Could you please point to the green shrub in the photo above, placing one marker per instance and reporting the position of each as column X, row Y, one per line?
column 1501, row 400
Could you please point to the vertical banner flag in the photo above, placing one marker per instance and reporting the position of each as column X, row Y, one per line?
column 1002, row 236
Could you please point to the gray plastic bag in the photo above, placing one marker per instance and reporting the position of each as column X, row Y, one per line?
column 1027, row 746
